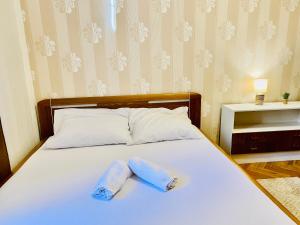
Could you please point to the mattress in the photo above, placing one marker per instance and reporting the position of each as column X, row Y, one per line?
column 54, row 188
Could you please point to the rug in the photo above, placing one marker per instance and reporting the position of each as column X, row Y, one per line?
column 286, row 191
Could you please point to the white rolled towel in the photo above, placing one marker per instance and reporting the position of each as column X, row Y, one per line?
column 112, row 180
column 152, row 173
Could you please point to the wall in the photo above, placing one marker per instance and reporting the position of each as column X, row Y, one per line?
column 17, row 102
column 214, row 47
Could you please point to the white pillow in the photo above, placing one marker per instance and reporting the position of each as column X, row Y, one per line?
column 160, row 124
column 62, row 114
column 82, row 131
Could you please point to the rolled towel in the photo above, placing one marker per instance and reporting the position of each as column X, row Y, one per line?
column 152, row 173
column 112, row 180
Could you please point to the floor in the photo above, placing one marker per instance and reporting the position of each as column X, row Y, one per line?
column 264, row 170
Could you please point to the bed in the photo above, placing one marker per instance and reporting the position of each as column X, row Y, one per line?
column 53, row 187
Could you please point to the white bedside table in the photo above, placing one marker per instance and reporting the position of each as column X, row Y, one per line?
column 250, row 128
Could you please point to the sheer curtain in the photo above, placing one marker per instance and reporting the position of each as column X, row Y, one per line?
column 17, row 102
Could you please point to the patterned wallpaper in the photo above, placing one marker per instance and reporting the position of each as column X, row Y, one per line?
column 214, row 47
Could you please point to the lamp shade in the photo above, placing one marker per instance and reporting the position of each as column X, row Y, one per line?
column 260, row 86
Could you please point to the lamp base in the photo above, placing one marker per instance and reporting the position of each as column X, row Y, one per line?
column 259, row 99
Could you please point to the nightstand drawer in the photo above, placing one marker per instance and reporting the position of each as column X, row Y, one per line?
column 250, row 143
column 295, row 140
column 265, row 142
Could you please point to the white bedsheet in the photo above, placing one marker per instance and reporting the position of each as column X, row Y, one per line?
column 54, row 188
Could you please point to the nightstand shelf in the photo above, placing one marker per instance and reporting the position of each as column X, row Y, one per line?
column 264, row 127
column 248, row 128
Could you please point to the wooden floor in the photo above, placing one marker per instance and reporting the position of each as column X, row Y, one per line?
column 273, row 169
column 266, row 170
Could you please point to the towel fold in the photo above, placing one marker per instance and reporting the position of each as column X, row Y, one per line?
column 112, row 180
column 152, row 173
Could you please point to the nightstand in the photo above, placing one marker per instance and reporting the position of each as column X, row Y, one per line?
column 250, row 128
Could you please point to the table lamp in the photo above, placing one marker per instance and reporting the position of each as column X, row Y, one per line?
column 260, row 87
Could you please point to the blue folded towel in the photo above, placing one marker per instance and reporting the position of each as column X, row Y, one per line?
column 112, row 180
column 152, row 173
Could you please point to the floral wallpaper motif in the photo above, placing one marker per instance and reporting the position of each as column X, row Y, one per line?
column 227, row 30
column 120, row 5
column 97, row 88
column 225, row 83
column 23, row 13
column 268, row 30
column 45, row 46
column 65, row 6
column 207, row 5
column 290, row 5
column 118, row 61
column 215, row 47
column 139, row 32
column 184, row 31
column 204, row 58
column 162, row 6
column 93, row 33
column 183, row 84
column 249, row 5
column 206, row 107
column 72, row 62
column 163, row 60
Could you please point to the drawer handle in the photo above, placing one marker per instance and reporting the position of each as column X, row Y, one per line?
column 253, row 148
column 297, row 135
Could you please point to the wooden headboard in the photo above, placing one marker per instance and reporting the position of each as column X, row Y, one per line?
column 47, row 107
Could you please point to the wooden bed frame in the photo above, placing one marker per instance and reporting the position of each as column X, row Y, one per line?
column 47, row 107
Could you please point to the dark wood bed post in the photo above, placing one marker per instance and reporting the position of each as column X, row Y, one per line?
column 5, row 171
